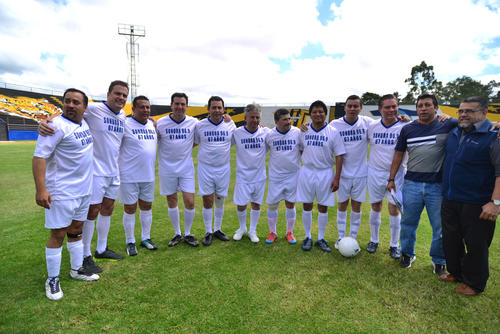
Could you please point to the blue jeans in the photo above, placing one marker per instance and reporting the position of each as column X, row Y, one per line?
column 415, row 196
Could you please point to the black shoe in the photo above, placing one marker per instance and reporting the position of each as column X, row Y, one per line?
column 406, row 261
column 372, row 247
column 207, row 239
column 90, row 266
column 175, row 240
column 307, row 244
column 439, row 269
column 323, row 245
column 131, row 249
column 109, row 255
column 220, row 235
column 191, row 240
column 395, row 252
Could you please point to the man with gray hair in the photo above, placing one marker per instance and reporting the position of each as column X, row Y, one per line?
column 250, row 141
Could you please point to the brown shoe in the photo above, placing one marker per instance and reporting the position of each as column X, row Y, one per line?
column 465, row 290
column 449, row 278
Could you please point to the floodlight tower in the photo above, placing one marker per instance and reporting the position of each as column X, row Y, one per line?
column 134, row 32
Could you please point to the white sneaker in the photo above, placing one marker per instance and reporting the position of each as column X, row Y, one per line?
column 82, row 276
column 239, row 234
column 253, row 237
column 53, row 288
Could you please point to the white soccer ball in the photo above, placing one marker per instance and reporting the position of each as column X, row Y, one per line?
column 348, row 247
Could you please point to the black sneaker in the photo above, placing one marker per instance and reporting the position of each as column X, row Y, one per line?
column 131, row 249
column 395, row 252
column 207, row 239
column 323, row 245
column 372, row 247
column 220, row 235
column 307, row 244
column 53, row 288
column 175, row 240
column 108, row 255
column 90, row 266
column 406, row 261
column 148, row 244
column 439, row 269
column 191, row 240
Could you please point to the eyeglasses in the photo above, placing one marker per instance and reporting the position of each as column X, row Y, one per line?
column 467, row 111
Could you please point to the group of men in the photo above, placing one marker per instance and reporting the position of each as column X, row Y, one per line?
column 93, row 154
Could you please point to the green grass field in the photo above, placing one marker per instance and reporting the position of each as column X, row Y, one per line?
column 235, row 287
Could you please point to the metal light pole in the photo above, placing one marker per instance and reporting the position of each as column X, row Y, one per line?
column 134, row 32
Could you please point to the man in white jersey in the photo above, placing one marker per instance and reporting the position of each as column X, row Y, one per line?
column 250, row 141
column 137, row 173
column 176, row 168
column 214, row 171
column 317, row 178
column 284, row 162
column 383, row 136
column 62, row 169
column 106, row 121
column 353, row 129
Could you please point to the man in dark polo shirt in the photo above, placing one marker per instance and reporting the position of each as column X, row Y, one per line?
column 471, row 197
column 424, row 140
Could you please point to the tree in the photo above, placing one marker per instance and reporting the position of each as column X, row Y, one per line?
column 370, row 98
column 422, row 80
column 460, row 88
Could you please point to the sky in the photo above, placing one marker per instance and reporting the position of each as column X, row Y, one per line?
column 266, row 51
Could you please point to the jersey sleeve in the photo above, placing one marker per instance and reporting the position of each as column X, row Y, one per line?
column 402, row 140
column 338, row 144
column 45, row 146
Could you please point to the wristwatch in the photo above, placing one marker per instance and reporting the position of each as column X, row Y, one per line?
column 389, row 180
column 495, row 201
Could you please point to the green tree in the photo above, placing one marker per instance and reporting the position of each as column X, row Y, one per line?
column 465, row 86
column 421, row 80
column 370, row 98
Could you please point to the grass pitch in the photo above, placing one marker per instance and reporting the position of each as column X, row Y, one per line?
column 235, row 287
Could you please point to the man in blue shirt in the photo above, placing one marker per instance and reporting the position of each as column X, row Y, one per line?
column 471, row 197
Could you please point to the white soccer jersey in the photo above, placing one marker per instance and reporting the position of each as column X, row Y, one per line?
column 175, row 145
column 284, row 157
column 215, row 141
column 320, row 147
column 383, row 139
column 107, row 130
column 69, row 155
column 356, row 145
column 250, row 154
column 138, row 152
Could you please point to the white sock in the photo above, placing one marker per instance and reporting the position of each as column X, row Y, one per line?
column 87, row 234
column 290, row 219
column 341, row 222
column 53, row 258
column 188, row 220
column 173, row 214
column 207, row 219
column 254, row 219
column 103, row 224
column 355, row 223
column 307, row 218
column 322, row 222
column 395, row 226
column 272, row 218
column 146, row 218
column 242, row 218
column 75, row 250
column 375, row 223
column 218, row 215
column 128, row 226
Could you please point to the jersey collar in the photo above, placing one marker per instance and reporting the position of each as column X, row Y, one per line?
column 80, row 124
column 351, row 124
column 116, row 113
column 170, row 115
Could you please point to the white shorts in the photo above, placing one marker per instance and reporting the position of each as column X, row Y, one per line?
column 63, row 212
column 352, row 187
column 315, row 184
column 213, row 180
column 282, row 190
column 130, row 193
column 245, row 193
column 104, row 186
column 170, row 185
column 377, row 185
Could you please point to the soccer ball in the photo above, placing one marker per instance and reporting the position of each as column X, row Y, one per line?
column 348, row 247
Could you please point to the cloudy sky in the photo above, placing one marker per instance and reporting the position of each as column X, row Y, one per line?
column 267, row 51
